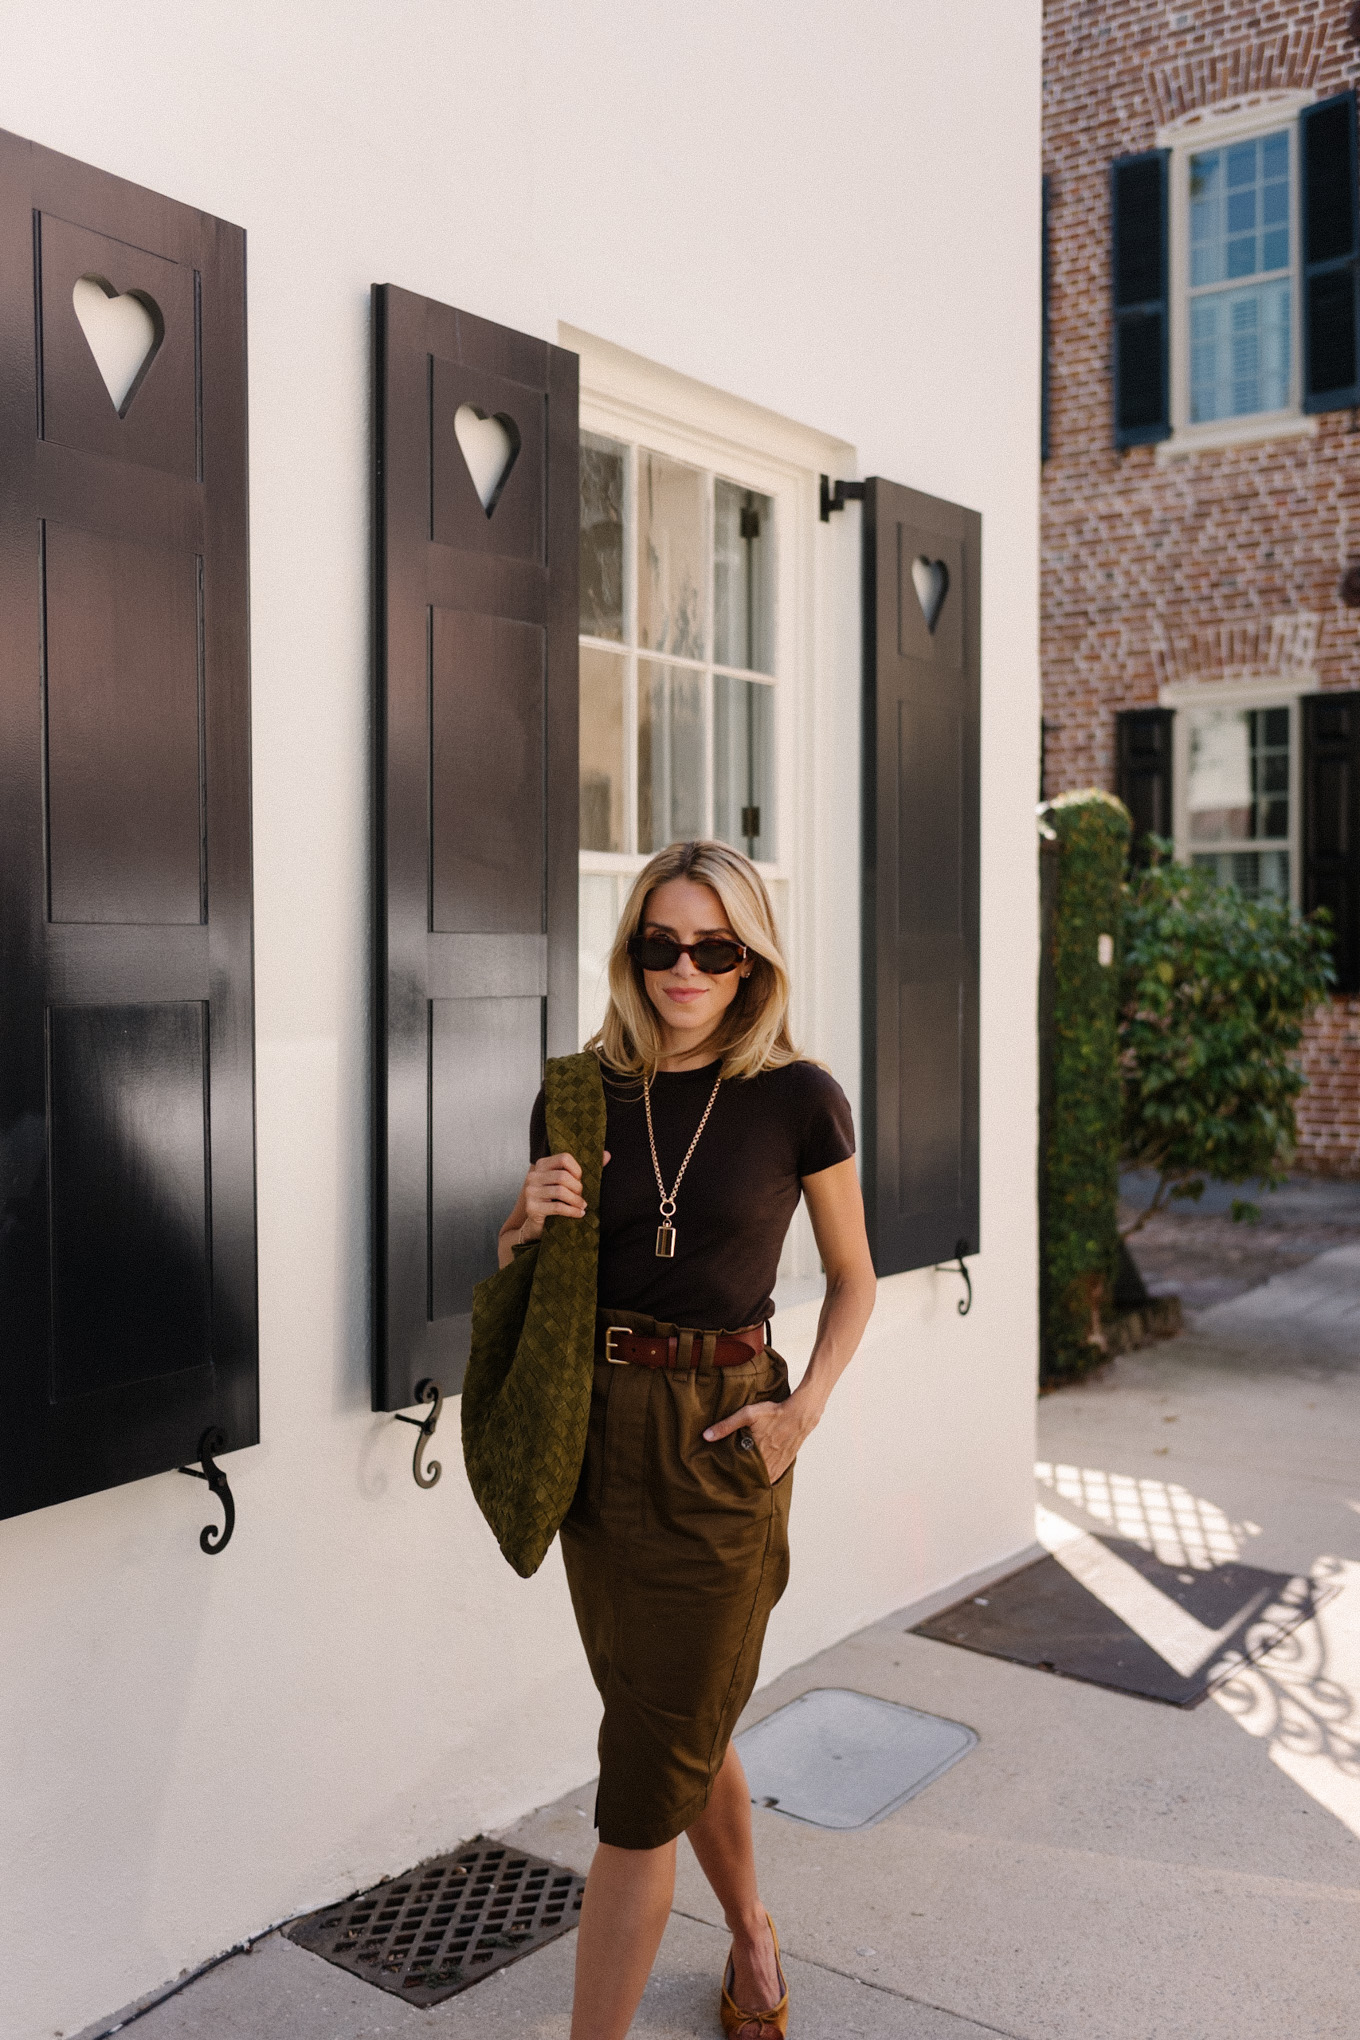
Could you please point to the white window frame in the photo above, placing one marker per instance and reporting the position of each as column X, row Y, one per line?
column 1264, row 692
column 1212, row 128
column 815, row 575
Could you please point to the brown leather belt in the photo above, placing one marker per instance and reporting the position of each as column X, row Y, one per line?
column 622, row 1347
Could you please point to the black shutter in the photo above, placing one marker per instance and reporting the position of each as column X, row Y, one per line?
column 922, row 569
column 1331, row 823
column 127, row 1174
column 1138, row 237
column 1143, row 774
column 1331, row 367
column 476, row 805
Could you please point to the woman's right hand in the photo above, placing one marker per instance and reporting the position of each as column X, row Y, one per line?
column 552, row 1189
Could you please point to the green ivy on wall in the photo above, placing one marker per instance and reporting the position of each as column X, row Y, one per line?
column 1084, row 843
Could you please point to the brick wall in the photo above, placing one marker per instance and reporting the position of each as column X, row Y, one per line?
column 1329, row 1110
column 1217, row 564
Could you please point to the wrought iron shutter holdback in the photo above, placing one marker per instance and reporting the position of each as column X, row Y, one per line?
column 210, row 1539
column 426, row 1392
column 965, row 1303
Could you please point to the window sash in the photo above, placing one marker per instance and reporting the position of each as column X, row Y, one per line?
column 1185, row 295
column 638, row 662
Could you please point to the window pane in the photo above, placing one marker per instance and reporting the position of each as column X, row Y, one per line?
column 1239, row 210
column 672, row 567
column 1239, row 351
column 743, row 552
column 670, row 755
column 743, row 765
column 1239, row 776
column 602, row 473
column 602, row 760
column 1259, row 873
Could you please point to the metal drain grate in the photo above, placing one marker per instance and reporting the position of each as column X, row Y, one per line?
column 445, row 1925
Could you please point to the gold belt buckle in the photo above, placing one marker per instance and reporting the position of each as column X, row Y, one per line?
column 612, row 1332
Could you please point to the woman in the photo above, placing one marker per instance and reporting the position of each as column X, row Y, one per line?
column 676, row 1545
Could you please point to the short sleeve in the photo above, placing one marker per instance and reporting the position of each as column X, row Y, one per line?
column 538, row 1129
column 827, row 1132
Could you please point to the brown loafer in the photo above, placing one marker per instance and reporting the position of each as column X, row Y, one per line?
column 769, row 2025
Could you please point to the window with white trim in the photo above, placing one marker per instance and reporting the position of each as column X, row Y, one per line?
column 1238, row 812
column 679, row 681
column 1235, row 264
column 1242, row 277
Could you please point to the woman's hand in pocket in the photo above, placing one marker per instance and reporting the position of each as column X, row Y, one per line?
column 778, row 1429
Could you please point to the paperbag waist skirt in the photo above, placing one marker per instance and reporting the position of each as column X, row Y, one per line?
column 676, row 1551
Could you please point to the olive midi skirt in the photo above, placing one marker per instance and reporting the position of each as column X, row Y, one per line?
column 676, row 1551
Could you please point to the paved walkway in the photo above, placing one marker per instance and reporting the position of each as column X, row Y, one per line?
column 1099, row 1867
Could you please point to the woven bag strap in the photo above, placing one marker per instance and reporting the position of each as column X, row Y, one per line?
column 574, row 1109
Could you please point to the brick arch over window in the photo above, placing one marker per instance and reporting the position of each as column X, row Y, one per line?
column 1246, row 75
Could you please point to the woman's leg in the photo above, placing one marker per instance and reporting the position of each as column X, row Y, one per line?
column 721, row 1838
column 623, row 1916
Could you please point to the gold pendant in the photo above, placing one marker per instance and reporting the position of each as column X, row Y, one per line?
column 665, row 1242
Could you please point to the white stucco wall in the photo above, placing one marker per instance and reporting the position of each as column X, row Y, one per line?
column 832, row 212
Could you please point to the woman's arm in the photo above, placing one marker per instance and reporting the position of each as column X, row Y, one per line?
column 836, row 1209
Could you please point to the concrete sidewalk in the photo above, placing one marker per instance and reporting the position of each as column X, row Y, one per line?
column 1099, row 1867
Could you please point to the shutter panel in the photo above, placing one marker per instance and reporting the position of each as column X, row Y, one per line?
column 1142, row 381
column 922, row 568
column 1331, row 823
column 1143, row 774
column 127, row 1188
column 1331, row 365
column 476, row 802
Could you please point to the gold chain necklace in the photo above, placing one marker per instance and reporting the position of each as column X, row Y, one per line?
column 665, row 1232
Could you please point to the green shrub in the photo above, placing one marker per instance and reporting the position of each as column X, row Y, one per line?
column 1080, row 1095
column 1215, row 990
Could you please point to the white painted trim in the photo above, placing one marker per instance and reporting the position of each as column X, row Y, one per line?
column 1188, row 440
column 1261, row 690
column 1207, row 126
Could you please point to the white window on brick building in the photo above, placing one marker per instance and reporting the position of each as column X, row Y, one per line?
column 1237, row 792
column 1235, row 278
column 1241, row 278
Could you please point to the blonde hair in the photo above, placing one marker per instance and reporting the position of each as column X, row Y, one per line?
column 753, row 1034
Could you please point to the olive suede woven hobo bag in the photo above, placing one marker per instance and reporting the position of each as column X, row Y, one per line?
column 526, row 1394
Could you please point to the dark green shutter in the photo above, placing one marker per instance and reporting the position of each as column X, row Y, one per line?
column 1331, row 363
column 919, row 1117
column 1331, row 823
column 1142, row 381
column 1143, row 773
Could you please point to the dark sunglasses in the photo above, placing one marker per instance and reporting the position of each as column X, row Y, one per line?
column 714, row 956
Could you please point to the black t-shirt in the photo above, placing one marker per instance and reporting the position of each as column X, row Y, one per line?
column 739, row 1194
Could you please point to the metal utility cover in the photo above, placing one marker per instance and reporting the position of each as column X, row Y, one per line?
column 443, row 1926
column 840, row 1759
column 1199, row 1628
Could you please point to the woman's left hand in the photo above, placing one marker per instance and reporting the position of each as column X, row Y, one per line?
column 778, row 1428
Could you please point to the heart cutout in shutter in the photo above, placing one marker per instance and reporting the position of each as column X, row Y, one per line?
column 123, row 333
column 930, row 578
column 490, row 446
